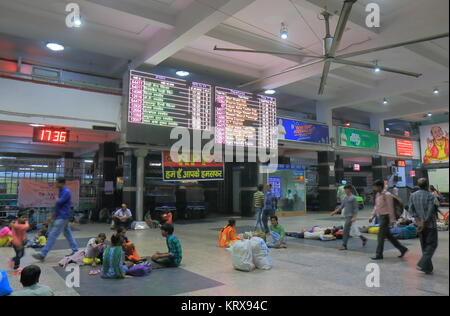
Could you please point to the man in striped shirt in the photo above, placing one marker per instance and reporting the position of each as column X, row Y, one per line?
column 258, row 203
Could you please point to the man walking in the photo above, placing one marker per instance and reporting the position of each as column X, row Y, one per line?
column 422, row 207
column 269, row 208
column 384, row 208
column 258, row 203
column 61, row 223
column 350, row 205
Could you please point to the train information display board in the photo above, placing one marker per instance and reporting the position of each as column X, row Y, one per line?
column 171, row 102
column 245, row 119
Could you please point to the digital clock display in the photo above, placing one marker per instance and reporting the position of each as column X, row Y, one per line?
column 50, row 135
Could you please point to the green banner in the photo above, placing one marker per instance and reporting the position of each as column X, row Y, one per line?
column 350, row 137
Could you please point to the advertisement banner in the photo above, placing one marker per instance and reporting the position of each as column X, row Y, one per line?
column 302, row 131
column 434, row 143
column 350, row 137
column 44, row 194
column 184, row 170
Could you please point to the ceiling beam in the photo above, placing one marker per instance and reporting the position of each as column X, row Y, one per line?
column 198, row 19
column 345, row 76
column 147, row 14
column 388, row 88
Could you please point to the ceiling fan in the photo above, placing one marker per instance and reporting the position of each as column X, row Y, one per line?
column 331, row 46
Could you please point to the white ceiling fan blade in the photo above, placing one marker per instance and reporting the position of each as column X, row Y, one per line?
column 340, row 28
column 264, row 52
column 369, row 66
column 323, row 79
column 377, row 49
column 281, row 73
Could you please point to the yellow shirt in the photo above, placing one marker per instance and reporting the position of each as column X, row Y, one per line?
column 42, row 241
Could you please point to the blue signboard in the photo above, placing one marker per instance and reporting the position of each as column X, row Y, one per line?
column 302, row 131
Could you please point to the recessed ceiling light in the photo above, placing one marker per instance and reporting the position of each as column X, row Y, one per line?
column 430, row 114
column 36, row 125
column 55, row 47
column 436, row 91
column 182, row 73
column 388, row 129
column 385, row 101
column 77, row 22
column 270, row 91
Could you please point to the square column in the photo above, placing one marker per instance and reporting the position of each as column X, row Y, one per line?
column 327, row 181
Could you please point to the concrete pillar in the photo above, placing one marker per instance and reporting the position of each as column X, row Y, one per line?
column 325, row 115
column 377, row 124
column 339, row 169
column 107, row 165
column 327, row 180
column 380, row 168
column 140, row 173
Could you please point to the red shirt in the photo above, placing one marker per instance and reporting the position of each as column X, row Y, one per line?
column 19, row 232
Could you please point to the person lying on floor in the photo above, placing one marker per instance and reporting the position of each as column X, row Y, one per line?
column 113, row 260
column 278, row 234
column 93, row 254
column 316, row 233
column 39, row 241
column 175, row 253
column 228, row 235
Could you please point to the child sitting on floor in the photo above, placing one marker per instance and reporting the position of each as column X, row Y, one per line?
column 6, row 236
column 94, row 250
column 278, row 234
column 131, row 253
column 113, row 260
column 228, row 234
column 175, row 254
column 39, row 241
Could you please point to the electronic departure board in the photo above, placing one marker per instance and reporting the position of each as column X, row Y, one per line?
column 164, row 101
column 245, row 119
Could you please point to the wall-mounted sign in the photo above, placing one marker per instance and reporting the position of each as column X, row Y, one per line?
column 50, row 135
column 356, row 167
column 350, row 137
column 302, row 131
column 405, row 148
column 186, row 169
column 172, row 102
column 401, row 163
column 434, row 141
column 412, row 173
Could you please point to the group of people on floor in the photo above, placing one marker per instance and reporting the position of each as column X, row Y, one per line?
column 422, row 209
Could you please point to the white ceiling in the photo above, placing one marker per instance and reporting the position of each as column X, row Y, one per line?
column 184, row 32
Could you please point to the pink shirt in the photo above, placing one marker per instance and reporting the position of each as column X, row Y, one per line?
column 384, row 205
column 19, row 233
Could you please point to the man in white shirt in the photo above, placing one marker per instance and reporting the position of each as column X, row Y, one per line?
column 122, row 217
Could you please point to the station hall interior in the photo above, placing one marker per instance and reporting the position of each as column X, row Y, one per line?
column 316, row 95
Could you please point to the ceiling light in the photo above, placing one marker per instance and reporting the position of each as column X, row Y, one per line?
column 385, row 101
column 270, row 91
column 55, row 47
column 436, row 91
column 182, row 73
column 388, row 129
column 430, row 114
column 284, row 32
column 347, row 124
column 77, row 22
column 89, row 161
column 377, row 68
column 36, row 125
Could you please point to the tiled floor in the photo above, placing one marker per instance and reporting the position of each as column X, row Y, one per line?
column 302, row 269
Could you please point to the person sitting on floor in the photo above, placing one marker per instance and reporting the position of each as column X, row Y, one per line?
column 228, row 234
column 278, row 234
column 122, row 217
column 39, row 241
column 93, row 254
column 6, row 236
column 167, row 218
column 113, row 260
column 175, row 253
column 30, row 279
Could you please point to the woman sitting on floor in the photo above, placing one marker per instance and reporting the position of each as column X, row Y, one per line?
column 228, row 234
column 113, row 260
